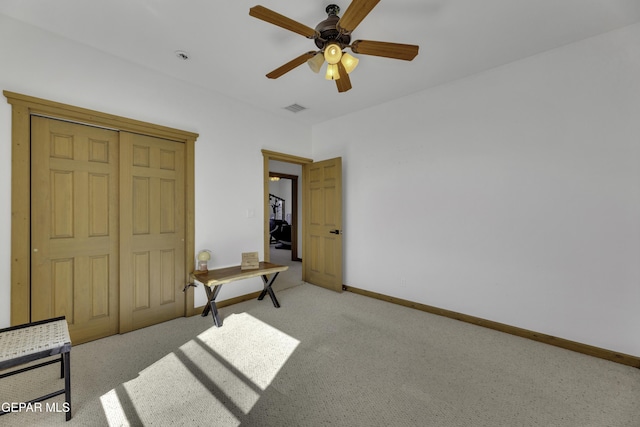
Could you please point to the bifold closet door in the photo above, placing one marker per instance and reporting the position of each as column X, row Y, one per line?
column 74, row 226
column 152, row 230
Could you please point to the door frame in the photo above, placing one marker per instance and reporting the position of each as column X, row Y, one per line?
column 281, row 157
column 22, row 108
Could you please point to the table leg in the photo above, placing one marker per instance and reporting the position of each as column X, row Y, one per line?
column 267, row 289
column 211, row 306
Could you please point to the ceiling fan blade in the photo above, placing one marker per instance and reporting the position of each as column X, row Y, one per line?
column 405, row 52
column 355, row 13
column 291, row 65
column 344, row 82
column 282, row 21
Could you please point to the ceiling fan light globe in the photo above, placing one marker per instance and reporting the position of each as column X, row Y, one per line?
column 332, row 53
column 332, row 72
column 350, row 62
column 316, row 63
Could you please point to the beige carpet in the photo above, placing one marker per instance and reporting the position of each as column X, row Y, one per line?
column 331, row 359
column 290, row 278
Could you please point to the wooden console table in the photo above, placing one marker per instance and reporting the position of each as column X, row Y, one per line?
column 216, row 278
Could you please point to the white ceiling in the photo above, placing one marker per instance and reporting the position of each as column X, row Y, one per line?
column 230, row 52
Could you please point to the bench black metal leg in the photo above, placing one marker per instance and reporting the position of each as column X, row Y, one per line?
column 65, row 370
column 267, row 289
column 66, row 366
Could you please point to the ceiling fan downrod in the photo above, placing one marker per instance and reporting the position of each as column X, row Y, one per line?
column 332, row 9
column 328, row 29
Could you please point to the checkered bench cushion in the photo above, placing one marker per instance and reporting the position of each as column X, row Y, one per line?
column 18, row 344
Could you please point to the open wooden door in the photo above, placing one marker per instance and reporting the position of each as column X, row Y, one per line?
column 322, row 204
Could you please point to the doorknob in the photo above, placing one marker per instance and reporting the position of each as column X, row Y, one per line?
column 335, row 232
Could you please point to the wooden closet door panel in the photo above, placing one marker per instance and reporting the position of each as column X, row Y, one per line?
column 74, row 227
column 152, row 221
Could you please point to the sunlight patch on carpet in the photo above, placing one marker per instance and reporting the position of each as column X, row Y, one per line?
column 222, row 371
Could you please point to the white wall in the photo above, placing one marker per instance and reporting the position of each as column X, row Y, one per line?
column 512, row 195
column 41, row 64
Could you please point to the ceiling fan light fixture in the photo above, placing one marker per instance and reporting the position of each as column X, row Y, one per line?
column 333, row 53
column 316, row 62
column 332, row 72
column 350, row 62
column 331, row 36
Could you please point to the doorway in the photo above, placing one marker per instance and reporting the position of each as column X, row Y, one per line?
column 287, row 172
column 283, row 220
column 321, row 222
column 284, row 224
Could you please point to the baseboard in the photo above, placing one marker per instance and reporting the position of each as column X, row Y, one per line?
column 590, row 350
column 228, row 302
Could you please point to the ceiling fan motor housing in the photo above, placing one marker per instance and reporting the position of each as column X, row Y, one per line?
column 328, row 29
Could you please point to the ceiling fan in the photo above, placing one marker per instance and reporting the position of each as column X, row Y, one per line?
column 332, row 36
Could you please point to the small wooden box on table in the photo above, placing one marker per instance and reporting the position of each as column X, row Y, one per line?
column 217, row 278
column 34, row 341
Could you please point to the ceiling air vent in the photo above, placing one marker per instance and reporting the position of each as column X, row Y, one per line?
column 295, row 108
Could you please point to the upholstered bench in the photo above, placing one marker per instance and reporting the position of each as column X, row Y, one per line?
column 33, row 341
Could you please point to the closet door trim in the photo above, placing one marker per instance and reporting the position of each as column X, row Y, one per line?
column 23, row 107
